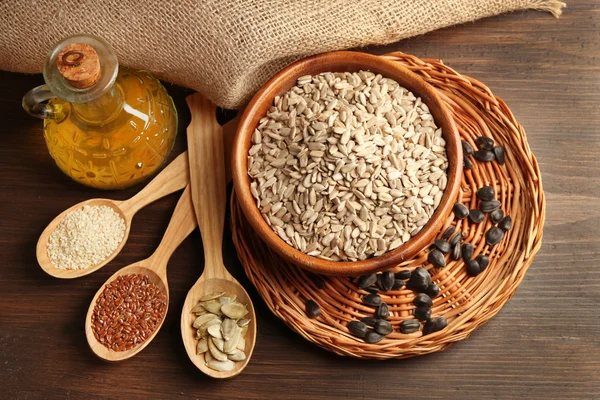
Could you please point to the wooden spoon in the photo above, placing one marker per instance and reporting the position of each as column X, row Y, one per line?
column 155, row 267
column 207, row 172
column 174, row 177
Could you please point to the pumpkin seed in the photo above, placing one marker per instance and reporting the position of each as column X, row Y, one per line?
column 203, row 329
column 484, row 155
column 211, row 296
column 198, row 309
column 404, row 274
column 499, row 154
column 372, row 300
column 231, row 344
column 215, row 331
column 212, row 306
column 505, row 224
column 222, row 366
column 243, row 322
column 494, row 235
column 241, row 344
column 382, row 312
column 497, row 216
column 467, row 252
column 434, row 325
column 476, row 216
column 369, row 321
column 460, row 210
column 215, row 352
column 373, row 337
column 485, row 143
column 224, row 300
column 218, row 342
column 366, row 281
column 447, row 233
column 410, row 326
column 442, row 245
column 244, row 330
column 237, row 355
column 486, row 193
column 489, row 206
column 199, row 321
column 473, row 268
column 419, row 280
column 312, row 309
column 357, row 328
column 423, row 300
column 422, row 313
column 467, row 164
column 456, row 252
column 234, row 310
column 432, row 290
column 467, row 148
column 228, row 328
column 202, row 346
column 231, row 297
column 383, row 327
column 436, row 258
column 483, row 262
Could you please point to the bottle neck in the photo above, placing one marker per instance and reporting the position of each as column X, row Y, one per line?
column 102, row 109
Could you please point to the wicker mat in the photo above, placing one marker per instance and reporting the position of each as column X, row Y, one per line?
column 466, row 302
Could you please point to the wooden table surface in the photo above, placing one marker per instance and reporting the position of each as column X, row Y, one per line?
column 544, row 344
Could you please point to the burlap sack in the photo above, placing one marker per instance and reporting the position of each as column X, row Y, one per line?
column 227, row 49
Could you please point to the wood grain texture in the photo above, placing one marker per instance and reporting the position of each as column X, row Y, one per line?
column 544, row 344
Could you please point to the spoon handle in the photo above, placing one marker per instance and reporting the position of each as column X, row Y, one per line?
column 207, row 169
column 181, row 225
column 174, row 177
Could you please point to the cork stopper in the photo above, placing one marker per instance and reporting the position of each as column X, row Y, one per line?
column 78, row 63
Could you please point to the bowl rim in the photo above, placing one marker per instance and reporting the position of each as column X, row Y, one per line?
column 354, row 61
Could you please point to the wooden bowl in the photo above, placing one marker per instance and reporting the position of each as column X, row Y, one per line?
column 344, row 61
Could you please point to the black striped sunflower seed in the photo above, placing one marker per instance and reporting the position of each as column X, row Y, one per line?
column 367, row 280
column 372, row 289
column 357, row 328
column 434, row 325
column 410, row 326
column 423, row 300
column 398, row 284
column 485, row 143
column 372, row 300
column 484, row 155
column 483, row 262
column 404, row 274
column 419, row 280
column 387, row 280
column 486, row 193
column 432, row 290
column 497, row 216
column 369, row 321
column 447, row 233
column 456, row 239
column 436, row 258
column 383, row 327
column 467, row 164
column 494, row 235
column 442, row 245
column 467, row 252
column 476, row 216
column 473, row 268
column 505, row 224
column 460, row 210
column 422, row 313
column 318, row 281
column 466, row 147
column 312, row 309
column 382, row 312
column 373, row 337
column 489, row 206
column 499, row 154
column 456, row 252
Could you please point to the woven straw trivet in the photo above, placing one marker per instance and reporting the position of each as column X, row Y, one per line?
column 466, row 302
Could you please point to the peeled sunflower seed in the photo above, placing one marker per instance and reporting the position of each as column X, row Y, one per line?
column 234, row 310
column 215, row 331
column 497, row 216
column 228, row 328
column 460, row 210
column 202, row 346
column 357, row 328
column 486, row 193
column 202, row 319
column 436, row 258
column 489, row 206
column 212, row 306
column 505, row 224
column 494, row 235
column 467, row 148
column 215, row 352
column 409, row 326
column 485, row 143
column 212, row 296
column 499, row 154
column 237, row 355
column 484, row 155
